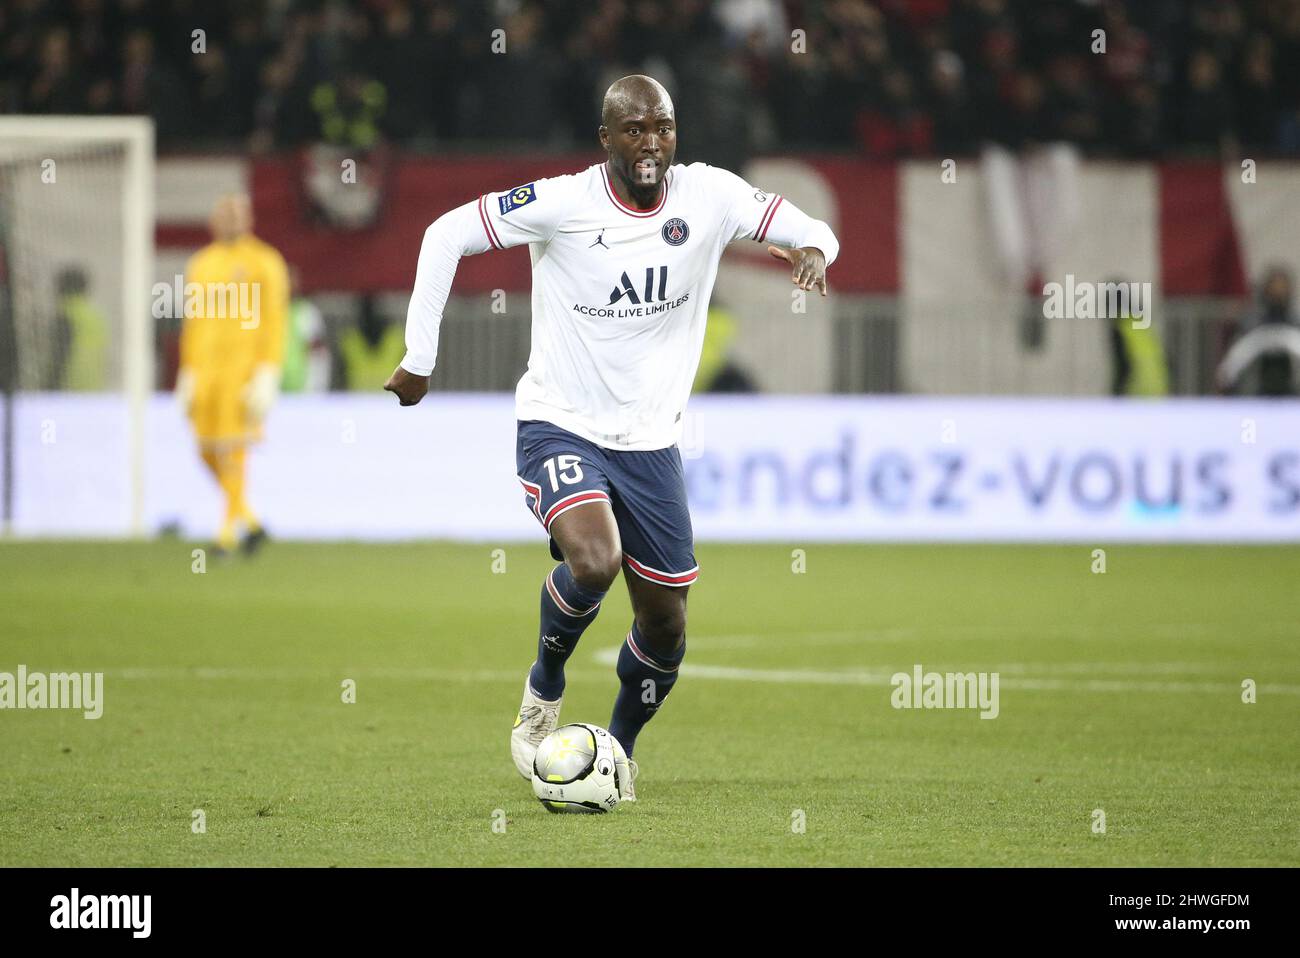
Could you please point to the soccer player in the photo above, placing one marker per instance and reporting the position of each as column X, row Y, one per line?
column 232, row 343
column 624, row 257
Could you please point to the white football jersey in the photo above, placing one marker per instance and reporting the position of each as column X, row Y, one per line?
column 620, row 295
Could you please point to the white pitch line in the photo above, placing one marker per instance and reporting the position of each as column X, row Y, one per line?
column 1105, row 668
column 884, row 677
column 318, row 674
column 1016, row 675
column 242, row 674
column 1163, row 630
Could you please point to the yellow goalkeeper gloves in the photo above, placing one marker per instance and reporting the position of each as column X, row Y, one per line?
column 184, row 391
column 260, row 393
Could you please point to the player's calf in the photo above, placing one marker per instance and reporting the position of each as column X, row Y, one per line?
column 567, row 608
column 647, row 671
column 572, row 592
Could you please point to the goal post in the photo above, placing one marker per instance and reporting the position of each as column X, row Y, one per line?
column 77, row 211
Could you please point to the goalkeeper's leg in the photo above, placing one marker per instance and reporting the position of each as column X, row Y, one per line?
column 234, row 480
column 215, row 460
column 228, row 464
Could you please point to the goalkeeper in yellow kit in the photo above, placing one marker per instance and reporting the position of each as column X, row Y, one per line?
column 232, row 343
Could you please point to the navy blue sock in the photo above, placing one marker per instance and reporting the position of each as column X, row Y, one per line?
column 646, row 679
column 567, row 610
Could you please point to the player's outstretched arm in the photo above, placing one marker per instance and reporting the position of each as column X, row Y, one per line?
column 456, row 233
column 526, row 214
column 807, row 244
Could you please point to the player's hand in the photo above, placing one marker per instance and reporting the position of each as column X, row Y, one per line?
column 809, row 266
column 410, row 388
column 260, row 393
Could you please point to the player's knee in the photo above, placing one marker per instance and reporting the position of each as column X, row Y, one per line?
column 664, row 630
column 595, row 566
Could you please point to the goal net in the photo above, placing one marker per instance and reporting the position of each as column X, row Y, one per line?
column 76, row 333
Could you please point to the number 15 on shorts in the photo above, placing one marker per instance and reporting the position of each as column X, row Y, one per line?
column 563, row 469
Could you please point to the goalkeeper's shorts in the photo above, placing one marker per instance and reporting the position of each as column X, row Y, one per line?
column 219, row 414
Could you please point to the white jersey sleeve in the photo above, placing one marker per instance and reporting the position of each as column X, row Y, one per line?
column 770, row 218
column 526, row 214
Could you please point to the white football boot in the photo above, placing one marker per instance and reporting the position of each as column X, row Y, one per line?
column 627, row 770
column 627, row 792
column 537, row 719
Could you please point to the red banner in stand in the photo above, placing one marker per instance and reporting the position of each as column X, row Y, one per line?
column 382, row 258
column 1200, row 249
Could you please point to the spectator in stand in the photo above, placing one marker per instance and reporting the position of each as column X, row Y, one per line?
column 950, row 106
column 892, row 77
column 58, row 86
column 1072, row 102
column 147, row 86
column 1257, row 99
column 1207, row 110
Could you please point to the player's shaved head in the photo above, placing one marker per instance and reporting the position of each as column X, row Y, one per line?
column 639, row 131
column 635, row 96
column 232, row 217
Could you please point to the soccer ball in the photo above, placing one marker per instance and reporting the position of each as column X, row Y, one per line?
column 579, row 768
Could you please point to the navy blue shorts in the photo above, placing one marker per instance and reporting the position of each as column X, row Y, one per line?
column 645, row 489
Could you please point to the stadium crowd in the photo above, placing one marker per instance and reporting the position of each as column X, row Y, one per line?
column 888, row 78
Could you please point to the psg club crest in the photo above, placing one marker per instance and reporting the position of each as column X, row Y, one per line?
column 675, row 232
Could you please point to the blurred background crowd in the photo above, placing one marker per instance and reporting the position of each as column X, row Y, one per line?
column 1032, row 89
column 887, row 78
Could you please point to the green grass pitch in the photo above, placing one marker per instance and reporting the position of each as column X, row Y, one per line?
column 223, row 692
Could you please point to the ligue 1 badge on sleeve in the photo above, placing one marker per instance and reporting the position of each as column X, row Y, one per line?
column 519, row 196
column 676, row 231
